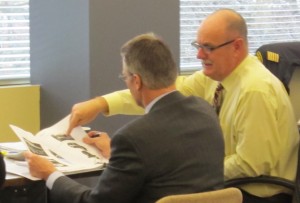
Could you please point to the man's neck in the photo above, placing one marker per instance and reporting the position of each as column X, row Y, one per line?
column 150, row 94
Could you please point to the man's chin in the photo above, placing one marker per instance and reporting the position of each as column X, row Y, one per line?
column 209, row 74
column 207, row 71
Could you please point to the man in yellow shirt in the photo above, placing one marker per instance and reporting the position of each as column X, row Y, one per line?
column 257, row 119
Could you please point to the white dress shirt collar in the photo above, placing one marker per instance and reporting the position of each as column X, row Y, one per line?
column 149, row 106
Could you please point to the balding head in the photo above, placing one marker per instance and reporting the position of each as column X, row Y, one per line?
column 232, row 23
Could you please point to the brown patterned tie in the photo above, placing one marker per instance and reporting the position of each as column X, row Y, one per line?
column 218, row 98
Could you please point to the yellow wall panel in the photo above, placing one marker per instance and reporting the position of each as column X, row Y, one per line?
column 20, row 106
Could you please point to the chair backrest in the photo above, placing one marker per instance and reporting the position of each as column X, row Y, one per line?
column 281, row 59
column 228, row 195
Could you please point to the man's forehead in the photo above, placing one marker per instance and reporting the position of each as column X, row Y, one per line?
column 210, row 33
column 206, row 36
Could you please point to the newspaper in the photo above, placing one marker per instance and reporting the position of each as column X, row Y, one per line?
column 69, row 154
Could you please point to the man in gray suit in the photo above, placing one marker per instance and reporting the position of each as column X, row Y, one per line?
column 175, row 148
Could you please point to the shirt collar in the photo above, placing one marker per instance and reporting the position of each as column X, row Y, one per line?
column 230, row 81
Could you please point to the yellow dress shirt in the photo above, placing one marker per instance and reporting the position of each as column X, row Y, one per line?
column 257, row 119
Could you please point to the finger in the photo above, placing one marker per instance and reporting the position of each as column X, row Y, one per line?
column 27, row 154
column 70, row 128
column 90, row 137
column 72, row 124
column 87, row 140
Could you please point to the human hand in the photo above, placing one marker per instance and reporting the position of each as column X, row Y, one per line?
column 84, row 112
column 101, row 141
column 38, row 166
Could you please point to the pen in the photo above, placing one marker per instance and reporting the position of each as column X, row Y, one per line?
column 96, row 135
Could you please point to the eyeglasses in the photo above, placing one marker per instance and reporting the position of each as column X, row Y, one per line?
column 124, row 77
column 208, row 48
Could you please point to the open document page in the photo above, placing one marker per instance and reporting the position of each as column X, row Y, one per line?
column 69, row 154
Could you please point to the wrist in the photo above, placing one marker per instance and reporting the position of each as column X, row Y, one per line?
column 48, row 173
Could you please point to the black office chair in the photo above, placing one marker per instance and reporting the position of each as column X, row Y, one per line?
column 281, row 59
column 293, row 186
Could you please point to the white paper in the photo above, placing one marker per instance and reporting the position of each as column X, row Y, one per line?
column 12, row 146
column 68, row 153
column 18, row 168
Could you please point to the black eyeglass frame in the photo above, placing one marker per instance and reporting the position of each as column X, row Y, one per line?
column 207, row 48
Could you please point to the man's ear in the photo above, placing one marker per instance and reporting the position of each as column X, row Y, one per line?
column 138, row 83
column 238, row 43
column 239, row 46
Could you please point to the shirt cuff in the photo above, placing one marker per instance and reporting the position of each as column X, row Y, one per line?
column 52, row 178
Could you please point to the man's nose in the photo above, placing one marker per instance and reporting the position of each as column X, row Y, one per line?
column 201, row 54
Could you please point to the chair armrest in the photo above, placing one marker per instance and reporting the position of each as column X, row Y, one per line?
column 261, row 179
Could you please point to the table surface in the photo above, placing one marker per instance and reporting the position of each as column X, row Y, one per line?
column 16, row 180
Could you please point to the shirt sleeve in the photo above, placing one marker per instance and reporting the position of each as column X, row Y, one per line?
column 52, row 178
column 122, row 102
column 191, row 84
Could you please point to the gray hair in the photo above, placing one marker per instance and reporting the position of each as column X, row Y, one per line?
column 148, row 56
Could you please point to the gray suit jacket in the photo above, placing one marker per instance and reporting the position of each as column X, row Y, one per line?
column 176, row 148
